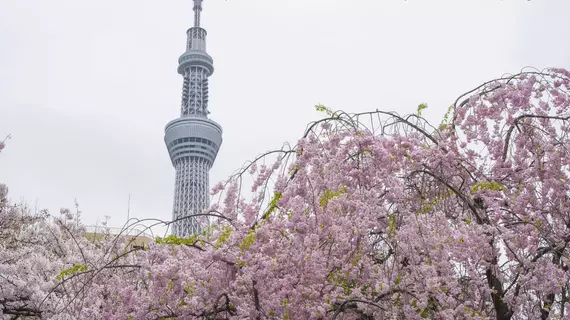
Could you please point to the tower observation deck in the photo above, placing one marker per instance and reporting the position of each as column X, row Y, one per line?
column 193, row 140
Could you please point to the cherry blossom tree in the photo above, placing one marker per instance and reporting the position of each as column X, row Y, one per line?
column 369, row 216
column 45, row 260
column 376, row 215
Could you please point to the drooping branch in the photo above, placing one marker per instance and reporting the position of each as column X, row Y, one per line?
column 517, row 122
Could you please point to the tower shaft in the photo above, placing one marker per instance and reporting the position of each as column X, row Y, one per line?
column 193, row 140
column 190, row 193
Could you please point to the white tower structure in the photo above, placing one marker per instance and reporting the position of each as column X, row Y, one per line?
column 193, row 140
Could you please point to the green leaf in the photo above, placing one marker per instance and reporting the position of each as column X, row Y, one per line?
column 71, row 271
column 421, row 107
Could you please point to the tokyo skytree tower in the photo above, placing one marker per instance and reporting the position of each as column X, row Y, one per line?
column 193, row 140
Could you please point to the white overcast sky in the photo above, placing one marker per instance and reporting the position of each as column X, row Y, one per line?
column 86, row 87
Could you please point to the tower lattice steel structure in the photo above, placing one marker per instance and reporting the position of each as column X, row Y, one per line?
column 193, row 140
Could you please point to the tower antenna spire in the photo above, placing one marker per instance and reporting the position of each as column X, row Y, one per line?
column 197, row 9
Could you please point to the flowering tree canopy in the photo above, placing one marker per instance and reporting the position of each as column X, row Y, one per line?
column 370, row 216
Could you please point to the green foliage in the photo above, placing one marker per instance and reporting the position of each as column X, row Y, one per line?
column 170, row 286
column 71, row 271
column 471, row 312
column 189, row 288
column 248, row 241
column 322, row 108
column 330, row 194
column 397, row 301
column 398, row 279
column 421, row 107
column 223, row 237
column 240, row 262
column 176, row 241
column 487, row 185
column 427, row 207
column 347, row 284
column 446, row 118
column 273, row 204
column 391, row 224
column 208, row 231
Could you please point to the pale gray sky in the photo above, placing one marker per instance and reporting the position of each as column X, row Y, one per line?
column 86, row 87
